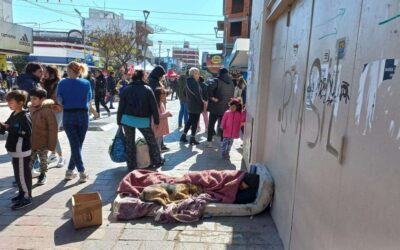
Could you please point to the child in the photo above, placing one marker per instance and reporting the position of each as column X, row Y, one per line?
column 44, row 129
column 161, row 129
column 18, row 145
column 232, row 121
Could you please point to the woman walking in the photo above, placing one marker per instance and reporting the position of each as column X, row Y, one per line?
column 137, row 106
column 51, row 78
column 100, row 93
column 195, row 105
column 74, row 94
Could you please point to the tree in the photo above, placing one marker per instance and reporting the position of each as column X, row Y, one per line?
column 19, row 63
column 117, row 46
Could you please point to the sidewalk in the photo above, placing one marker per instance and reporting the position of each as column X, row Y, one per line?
column 47, row 224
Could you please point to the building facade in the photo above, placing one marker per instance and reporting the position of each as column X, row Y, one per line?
column 14, row 39
column 188, row 56
column 236, row 24
column 60, row 48
column 323, row 116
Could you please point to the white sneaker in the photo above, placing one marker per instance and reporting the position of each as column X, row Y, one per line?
column 69, row 175
column 52, row 158
column 209, row 144
column 83, row 177
column 61, row 162
column 35, row 173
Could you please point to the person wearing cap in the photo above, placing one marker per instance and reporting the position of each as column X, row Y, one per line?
column 220, row 93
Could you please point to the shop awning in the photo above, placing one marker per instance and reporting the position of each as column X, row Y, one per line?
column 240, row 54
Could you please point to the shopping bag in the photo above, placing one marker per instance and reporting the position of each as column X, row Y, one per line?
column 142, row 153
column 117, row 149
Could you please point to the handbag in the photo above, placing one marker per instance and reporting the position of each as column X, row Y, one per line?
column 142, row 153
column 117, row 148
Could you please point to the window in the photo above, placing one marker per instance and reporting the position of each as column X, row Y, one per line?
column 236, row 29
column 237, row 6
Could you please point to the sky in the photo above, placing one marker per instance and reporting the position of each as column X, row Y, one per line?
column 177, row 20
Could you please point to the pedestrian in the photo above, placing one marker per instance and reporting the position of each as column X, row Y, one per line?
column 240, row 90
column 122, row 84
column 9, row 80
column 111, row 89
column 100, row 92
column 195, row 105
column 18, row 145
column 220, row 93
column 231, row 124
column 31, row 78
column 203, row 86
column 183, row 111
column 14, row 80
column 174, row 87
column 155, row 77
column 163, row 128
column 136, row 108
column 92, row 111
column 74, row 94
column 50, row 82
column 44, row 130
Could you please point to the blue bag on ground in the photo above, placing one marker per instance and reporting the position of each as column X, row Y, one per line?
column 117, row 149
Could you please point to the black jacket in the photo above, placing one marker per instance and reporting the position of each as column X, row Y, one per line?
column 18, row 142
column 154, row 77
column 27, row 82
column 138, row 100
column 223, row 89
column 194, row 96
column 100, row 87
column 111, row 85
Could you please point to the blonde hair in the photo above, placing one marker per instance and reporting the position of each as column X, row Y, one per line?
column 81, row 69
column 193, row 70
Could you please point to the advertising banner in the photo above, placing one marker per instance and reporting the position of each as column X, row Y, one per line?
column 15, row 38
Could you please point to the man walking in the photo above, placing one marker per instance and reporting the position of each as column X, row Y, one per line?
column 111, row 85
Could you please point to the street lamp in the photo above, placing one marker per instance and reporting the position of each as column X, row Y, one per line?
column 168, row 63
column 146, row 14
column 83, row 33
column 216, row 33
column 159, row 52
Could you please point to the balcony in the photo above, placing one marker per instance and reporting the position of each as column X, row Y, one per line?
column 141, row 27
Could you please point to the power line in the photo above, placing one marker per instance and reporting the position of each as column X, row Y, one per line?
column 133, row 10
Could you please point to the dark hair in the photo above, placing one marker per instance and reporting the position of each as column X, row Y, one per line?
column 138, row 76
column 50, row 85
column 38, row 92
column 112, row 73
column 158, row 92
column 17, row 95
column 222, row 71
column 32, row 67
column 201, row 79
column 237, row 103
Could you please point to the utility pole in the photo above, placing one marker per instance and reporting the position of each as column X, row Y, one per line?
column 83, row 33
column 168, row 58
column 159, row 52
column 146, row 14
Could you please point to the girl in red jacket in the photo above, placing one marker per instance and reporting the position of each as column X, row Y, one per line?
column 232, row 121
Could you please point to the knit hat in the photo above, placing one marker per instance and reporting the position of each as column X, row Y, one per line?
column 222, row 71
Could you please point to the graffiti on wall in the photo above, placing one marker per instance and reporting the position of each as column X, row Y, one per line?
column 326, row 86
column 290, row 83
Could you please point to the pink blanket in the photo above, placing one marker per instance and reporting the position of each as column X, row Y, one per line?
column 220, row 185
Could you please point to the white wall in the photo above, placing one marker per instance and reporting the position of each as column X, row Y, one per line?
column 6, row 14
column 335, row 160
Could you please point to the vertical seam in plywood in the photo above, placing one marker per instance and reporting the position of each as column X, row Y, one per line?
column 301, row 124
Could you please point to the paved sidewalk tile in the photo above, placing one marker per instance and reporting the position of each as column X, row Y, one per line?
column 46, row 224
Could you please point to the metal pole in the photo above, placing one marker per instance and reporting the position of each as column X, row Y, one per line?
column 168, row 63
column 159, row 52
column 145, row 43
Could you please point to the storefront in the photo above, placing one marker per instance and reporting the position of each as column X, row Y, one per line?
column 14, row 40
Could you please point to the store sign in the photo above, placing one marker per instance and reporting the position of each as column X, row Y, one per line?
column 214, row 63
column 15, row 38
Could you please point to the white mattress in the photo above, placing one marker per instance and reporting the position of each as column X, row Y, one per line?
column 264, row 198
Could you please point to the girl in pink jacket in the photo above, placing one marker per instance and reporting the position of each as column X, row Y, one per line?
column 161, row 129
column 232, row 121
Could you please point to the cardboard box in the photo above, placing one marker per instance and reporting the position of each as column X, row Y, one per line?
column 86, row 210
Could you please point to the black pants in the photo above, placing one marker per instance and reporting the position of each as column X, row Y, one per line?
column 23, row 175
column 130, row 138
column 99, row 99
column 211, row 126
column 192, row 123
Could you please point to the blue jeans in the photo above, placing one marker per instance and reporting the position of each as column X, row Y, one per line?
column 183, row 113
column 76, row 125
column 110, row 100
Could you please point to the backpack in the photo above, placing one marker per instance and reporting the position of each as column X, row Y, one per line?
column 117, row 150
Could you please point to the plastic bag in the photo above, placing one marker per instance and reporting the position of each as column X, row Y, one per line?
column 142, row 153
column 117, row 149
